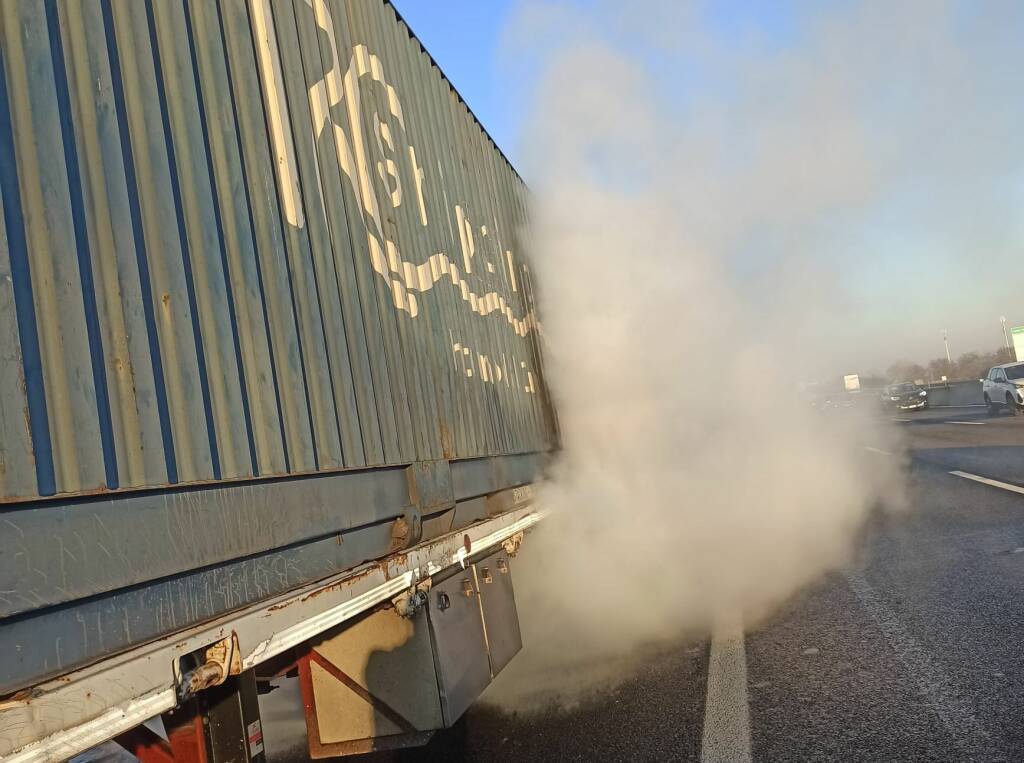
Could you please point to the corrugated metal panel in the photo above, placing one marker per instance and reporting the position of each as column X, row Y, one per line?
column 249, row 238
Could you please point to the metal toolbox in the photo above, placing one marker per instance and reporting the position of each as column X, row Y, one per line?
column 388, row 680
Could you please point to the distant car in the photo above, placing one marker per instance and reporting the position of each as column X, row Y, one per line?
column 1004, row 388
column 831, row 400
column 905, row 397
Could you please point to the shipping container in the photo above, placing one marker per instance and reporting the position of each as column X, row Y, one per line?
column 266, row 312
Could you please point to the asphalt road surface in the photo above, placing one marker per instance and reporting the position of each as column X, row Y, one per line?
column 914, row 653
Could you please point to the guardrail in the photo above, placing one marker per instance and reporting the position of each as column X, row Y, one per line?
column 955, row 393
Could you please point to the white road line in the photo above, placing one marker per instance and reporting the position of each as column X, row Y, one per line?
column 726, row 710
column 968, row 423
column 966, row 731
column 879, row 451
column 902, row 420
column 987, row 481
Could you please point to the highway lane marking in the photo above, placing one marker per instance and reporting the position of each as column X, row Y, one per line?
column 726, row 736
column 877, row 450
column 987, row 481
column 905, row 421
column 968, row 423
column 965, row 729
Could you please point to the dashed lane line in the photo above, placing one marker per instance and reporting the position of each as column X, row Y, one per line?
column 967, row 423
column 879, row 451
column 726, row 707
column 990, row 482
column 966, row 731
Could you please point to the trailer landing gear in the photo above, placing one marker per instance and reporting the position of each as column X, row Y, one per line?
column 219, row 725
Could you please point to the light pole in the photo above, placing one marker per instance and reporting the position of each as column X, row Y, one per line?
column 949, row 360
column 1006, row 337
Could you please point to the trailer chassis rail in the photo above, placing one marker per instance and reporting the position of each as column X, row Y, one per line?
column 67, row 715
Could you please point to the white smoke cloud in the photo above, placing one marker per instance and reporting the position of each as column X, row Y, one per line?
column 867, row 152
column 705, row 243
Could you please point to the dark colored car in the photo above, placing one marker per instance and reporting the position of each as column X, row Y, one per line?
column 905, row 397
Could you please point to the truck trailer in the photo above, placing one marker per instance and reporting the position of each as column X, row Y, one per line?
column 272, row 390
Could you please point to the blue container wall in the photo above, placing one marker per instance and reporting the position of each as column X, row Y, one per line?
column 249, row 238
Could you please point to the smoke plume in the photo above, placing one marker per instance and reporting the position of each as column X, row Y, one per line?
column 700, row 246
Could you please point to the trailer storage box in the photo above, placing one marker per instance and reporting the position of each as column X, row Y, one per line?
column 391, row 679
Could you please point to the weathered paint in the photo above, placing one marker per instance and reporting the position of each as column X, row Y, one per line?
column 85, row 577
column 249, row 238
column 59, row 718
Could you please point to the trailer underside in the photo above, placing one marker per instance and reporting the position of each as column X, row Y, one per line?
column 57, row 719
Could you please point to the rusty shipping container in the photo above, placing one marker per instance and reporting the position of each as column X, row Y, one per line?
column 264, row 291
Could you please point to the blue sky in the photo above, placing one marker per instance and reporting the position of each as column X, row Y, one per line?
column 468, row 38
column 464, row 37
column 894, row 128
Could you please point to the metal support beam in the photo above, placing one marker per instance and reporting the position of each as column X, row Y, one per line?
column 219, row 725
column 146, row 746
column 185, row 733
column 232, row 723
